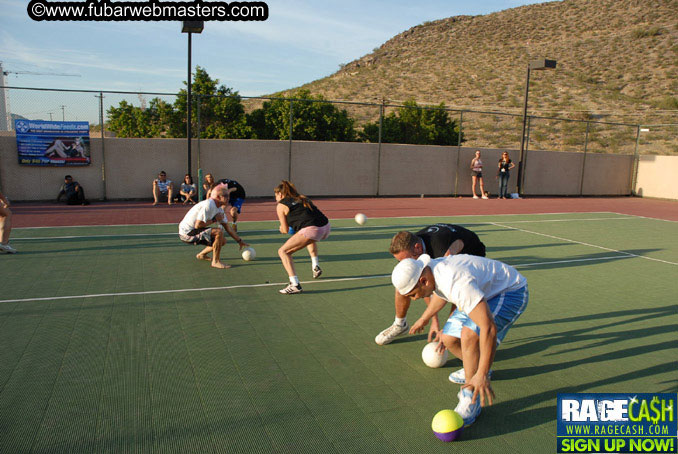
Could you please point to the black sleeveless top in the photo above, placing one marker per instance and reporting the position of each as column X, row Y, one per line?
column 300, row 216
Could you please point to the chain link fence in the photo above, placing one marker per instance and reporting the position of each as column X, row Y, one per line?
column 147, row 113
column 163, row 115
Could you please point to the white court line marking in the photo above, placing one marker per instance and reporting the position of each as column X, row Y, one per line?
column 645, row 217
column 126, row 235
column 585, row 244
column 204, row 289
column 345, row 279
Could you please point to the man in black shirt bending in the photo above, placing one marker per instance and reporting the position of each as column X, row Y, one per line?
column 438, row 240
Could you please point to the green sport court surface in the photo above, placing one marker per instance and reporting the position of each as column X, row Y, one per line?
column 115, row 339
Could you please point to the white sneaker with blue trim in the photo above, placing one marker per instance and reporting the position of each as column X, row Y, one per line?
column 389, row 334
column 467, row 409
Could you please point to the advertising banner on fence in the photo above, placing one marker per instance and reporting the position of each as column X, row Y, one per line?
column 617, row 422
column 52, row 143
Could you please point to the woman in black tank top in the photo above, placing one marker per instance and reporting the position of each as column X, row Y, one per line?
column 299, row 216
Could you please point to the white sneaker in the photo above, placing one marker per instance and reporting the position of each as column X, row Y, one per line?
column 291, row 289
column 466, row 409
column 485, row 197
column 7, row 248
column 460, row 378
column 317, row 272
column 390, row 333
column 476, row 197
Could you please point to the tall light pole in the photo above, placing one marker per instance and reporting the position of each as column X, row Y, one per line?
column 539, row 64
column 190, row 27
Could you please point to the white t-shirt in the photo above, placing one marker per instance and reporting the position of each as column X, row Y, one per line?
column 204, row 211
column 465, row 280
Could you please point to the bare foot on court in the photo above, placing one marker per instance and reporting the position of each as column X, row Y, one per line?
column 203, row 257
column 220, row 265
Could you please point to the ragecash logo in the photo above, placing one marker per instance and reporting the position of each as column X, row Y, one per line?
column 600, row 422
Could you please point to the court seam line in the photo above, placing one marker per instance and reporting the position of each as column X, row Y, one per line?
column 129, row 235
column 332, row 219
column 586, row 244
column 232, row 287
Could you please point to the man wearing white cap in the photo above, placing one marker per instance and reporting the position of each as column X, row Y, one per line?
column 489, row 296
column 438, row 240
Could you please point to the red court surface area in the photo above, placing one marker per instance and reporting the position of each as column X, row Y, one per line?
column 122, row 213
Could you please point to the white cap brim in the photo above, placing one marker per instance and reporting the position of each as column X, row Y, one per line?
column 406, row 274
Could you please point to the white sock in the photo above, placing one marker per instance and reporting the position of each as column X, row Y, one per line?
column 400, row 321
column 294, row 280
column 315, row 261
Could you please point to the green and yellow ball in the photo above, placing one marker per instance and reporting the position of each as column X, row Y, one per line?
column 447, row 425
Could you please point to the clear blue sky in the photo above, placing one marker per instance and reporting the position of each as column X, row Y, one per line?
column 302, row 41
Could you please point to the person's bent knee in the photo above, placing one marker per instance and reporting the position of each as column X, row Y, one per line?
column 449, row 341
column 468, row 335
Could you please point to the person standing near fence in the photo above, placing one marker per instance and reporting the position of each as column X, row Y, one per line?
column 477, row 176
column 505, row 165
column 5, row 225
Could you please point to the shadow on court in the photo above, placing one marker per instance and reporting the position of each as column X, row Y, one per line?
column 522, row 415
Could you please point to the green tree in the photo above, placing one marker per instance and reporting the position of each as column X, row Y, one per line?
column 414, row 125
column 222, row 115
column 313, row 119
column 129, row 121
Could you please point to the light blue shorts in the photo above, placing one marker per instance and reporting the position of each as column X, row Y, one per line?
column 505, row 307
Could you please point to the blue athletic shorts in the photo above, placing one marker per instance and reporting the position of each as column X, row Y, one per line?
column 237, row 203
column 505, row 307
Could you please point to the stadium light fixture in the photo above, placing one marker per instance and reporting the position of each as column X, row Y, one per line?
column 190, row 27
column 534, row 65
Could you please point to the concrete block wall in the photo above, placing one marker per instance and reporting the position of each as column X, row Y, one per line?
column 331, row 169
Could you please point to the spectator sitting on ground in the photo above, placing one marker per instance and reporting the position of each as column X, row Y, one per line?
column 188, row 190
column 207, row 185
column 162, row 188
column 75, row 194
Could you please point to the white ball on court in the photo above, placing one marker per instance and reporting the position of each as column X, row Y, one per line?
column 360, row 218
column 249, row 254
column 431, row 357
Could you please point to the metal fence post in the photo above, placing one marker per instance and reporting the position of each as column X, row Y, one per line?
column 456, row 173
column 521, row 175
column 199, row 100
column 381, row 124
column 636, row 158
column 289, row 163
column 103, row 144
column 583, row 164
